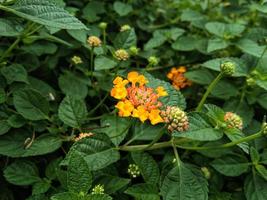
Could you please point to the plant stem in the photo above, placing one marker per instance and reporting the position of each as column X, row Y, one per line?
column 182, row 140
column 176, row 154
column 209, row 89
column 92, row 64
column 158, row 136
column 99, row 104
column 11, row 47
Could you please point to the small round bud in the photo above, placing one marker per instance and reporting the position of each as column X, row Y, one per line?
column 176, row 119
column 125, row 27
column 228, row 68
column 233, row 120
column 250, row 81
column 264, row 128
column 134, row 50
column 103, row 25
column 94, row 41
column 206, row 172
column 121, row 54
column 134, row 170
column 152, row 60
column 98, row 189
column 76, row 60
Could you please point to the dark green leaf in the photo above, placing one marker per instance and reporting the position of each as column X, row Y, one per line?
column 122, row 8
column 255, row 187
column 14, row 73
column 143, row 191
column 104, row 63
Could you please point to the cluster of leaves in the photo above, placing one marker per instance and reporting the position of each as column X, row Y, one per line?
column 46, row 100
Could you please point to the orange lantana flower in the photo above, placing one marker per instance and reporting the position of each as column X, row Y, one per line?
column 179, row 81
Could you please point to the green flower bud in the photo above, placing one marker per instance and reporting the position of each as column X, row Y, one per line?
column 103, row 25
column 134, row 50
column 228, row 68
column 125, row 27
column 153, row 60
column 134, row 170
column 76, row 60
column 98, row 189
column 206, row 172
column 250, row 81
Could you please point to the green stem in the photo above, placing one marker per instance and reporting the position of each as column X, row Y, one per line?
column 230, row 144
column 99, row 104
column 12, row 46
column 182, row 140
column 92, row 64
column 104, row 38
column 209, row 89
column 176, row 153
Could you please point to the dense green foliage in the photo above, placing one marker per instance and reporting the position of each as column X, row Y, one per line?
column 47, row 98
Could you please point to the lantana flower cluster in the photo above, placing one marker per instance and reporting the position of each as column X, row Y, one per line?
column 176, row 76
column 136, row 99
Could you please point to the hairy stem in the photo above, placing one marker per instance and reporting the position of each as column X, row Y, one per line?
column 209, row 89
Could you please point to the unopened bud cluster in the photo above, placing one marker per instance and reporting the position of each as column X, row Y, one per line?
column 98, row 189
column 176, row 119
column 228, row 68
column 76, row 60
column 94, row 41
column 133, row 170
column 233, row 120
column 125, row 27
column 153, row 60
column 121, row 54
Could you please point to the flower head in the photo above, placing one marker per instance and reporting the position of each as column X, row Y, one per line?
column 98, row 189
column 103, row 25
column 121, row 54
column 179, row 81
column 134, row 170
column 228, row 68
column 176, row 119
column 134, row 50
column 153, row 60
column 136, row 99
column 233, row 120
column 76, row 60
column 94, row 41
column 264, row 128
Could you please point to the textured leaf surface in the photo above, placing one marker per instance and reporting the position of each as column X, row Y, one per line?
column 46, row 13
column 143, row 191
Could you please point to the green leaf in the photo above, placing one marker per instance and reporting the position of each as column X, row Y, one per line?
column 241, row 68
column 215, row 112
column 231, row 165
column 216, row 44
column 117, row 128
column 125, row 39
column 184, row 43
column 184, row 183
column 40, row 48
column 66, row 196
column 122, row 8
column 250, row 47
column 96, row 151
column 145, row 131
column 104, row 63
column 15, row 72
column 79, row 177
column 224, row 30
column 92, row 10
column 200, row 129
column 12, row 144
column 157, row 40
column 254, row 155
column 4, row 127
column 9, row 28
column 3, row 96
column 236, row 134
column 41, row 187
column 174, row 97
column 262, row 171
column 143, row 191
column 22, row 173
column 45, row 12
column 16, row 121
column 113, row 183
column 148, row 167
column 72, row 111
column 98, row 197
column 79, row 35
column 72, row 85
column 200, row 76
column 31, row 104
column 224, row 90
column 255, row 187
